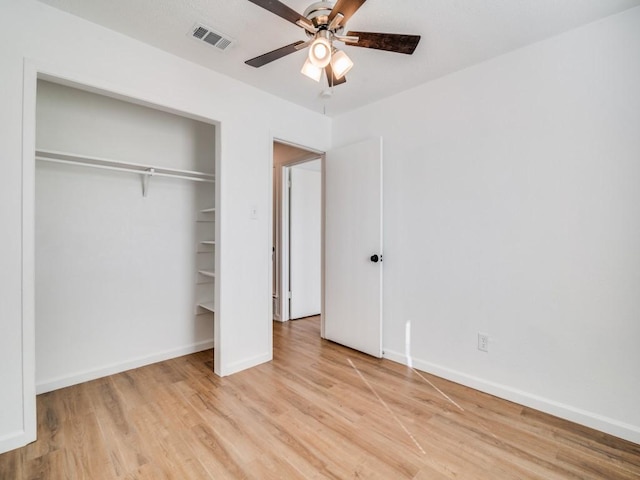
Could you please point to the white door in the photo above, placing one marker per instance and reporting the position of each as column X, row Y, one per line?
column 305, row 242
column 353, row 246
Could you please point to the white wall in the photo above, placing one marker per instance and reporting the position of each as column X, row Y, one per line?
column 305, row 258
column 512, row 208
column 116, row 273
column 249, row 119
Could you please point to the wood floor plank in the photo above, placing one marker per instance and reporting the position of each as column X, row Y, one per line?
column 270, row 467
column 317, row 411
column 85, row 454
column 12, row 464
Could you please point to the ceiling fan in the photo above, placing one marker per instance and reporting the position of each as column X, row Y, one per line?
column 324, row 23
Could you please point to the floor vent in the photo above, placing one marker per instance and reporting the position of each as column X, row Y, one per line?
column 209, row 35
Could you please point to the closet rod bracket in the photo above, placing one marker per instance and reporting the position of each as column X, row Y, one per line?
column 146, row 176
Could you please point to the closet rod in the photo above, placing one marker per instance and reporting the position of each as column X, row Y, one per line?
column 151, row 171
column 147, row 171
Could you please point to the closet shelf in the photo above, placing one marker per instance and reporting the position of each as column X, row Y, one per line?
column 208, row 210
column 147, row 171
column 207, row 306
column 208, row 242
column 207, row 273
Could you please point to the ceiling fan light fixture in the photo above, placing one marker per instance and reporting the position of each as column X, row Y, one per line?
column 311, row 71
column 324, row 23
column 340, row 63
column 320, row 50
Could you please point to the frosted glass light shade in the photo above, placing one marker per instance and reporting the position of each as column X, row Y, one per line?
column 320, row 52
column 340, row 64
column 311, row 71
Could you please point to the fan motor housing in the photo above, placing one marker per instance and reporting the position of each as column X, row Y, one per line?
column 318, row 13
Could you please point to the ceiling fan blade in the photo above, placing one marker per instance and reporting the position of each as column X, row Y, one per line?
column 274, row 55
column 346, row 8
column 391, row 42
column 331, row 78
column 280, row 9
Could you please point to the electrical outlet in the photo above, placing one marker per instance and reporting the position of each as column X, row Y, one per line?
column 483, row 342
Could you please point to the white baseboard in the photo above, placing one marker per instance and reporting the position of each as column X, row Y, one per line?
column 589, row 419
column 236, row 367
column 15, row 440
column 87, row 375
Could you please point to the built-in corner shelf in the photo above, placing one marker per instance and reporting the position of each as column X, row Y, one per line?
column 207, row 306
column 207, row 273
column 208, row 216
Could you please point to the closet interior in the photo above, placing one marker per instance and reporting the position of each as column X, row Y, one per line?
column 125, row 235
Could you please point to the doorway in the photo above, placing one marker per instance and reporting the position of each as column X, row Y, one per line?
column 297, row 231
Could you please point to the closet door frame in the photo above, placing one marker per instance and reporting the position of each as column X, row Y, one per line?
column 32, row 72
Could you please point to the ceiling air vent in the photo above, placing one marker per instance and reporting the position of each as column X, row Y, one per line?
column 209, row 35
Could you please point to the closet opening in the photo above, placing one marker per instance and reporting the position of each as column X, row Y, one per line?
column 125, row 234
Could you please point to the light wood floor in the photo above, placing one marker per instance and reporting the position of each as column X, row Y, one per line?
column 317, row 411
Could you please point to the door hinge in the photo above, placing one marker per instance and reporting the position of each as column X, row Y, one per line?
column 289, row 295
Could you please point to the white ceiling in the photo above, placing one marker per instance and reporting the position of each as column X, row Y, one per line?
column 455, row 34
